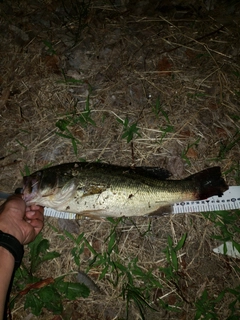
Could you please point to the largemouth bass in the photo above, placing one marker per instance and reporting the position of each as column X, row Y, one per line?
column 104, row 190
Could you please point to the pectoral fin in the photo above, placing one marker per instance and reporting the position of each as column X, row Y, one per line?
column 93, row 215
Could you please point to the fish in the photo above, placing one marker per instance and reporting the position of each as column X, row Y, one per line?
column 101, row 190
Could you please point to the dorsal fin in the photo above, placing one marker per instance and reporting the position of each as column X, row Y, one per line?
column 152, row 172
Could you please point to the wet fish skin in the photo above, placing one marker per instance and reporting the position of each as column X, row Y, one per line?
column 104, row 190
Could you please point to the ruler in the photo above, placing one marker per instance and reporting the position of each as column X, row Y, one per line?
column 230, row 200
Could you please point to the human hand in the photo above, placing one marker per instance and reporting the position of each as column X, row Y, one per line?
column 22, row 222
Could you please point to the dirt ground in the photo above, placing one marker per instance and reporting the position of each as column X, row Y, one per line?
column 74, row 76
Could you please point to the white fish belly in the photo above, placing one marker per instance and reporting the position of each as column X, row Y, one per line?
column 114, row 204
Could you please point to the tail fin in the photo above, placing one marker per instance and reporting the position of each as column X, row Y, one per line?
column 209, row 183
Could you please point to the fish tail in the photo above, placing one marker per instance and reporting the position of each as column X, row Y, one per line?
column 209, row 183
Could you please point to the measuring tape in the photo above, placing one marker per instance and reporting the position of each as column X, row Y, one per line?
column 230, row 200
column 58, row 214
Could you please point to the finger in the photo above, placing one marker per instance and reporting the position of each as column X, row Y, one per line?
column 35, row 208
column 36, row 224
column 16, row 197
column 34, row 215
column 15, row 203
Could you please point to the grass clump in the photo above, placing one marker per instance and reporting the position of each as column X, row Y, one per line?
column 39, row 293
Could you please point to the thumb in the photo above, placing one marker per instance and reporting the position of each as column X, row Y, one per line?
column 16, row 205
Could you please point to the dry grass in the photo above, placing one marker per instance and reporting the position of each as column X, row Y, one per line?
column 126, row 59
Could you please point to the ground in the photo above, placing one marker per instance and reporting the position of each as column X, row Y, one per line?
column 153, row 83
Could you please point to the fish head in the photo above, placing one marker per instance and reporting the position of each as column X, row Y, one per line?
column 38, row 185
column 49, row 189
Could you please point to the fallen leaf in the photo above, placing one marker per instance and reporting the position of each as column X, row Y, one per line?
column 185, row 133
column 82, row 277
column 191, row 153
column 164, row 66
column 86, row 253
column 37, row 285
column 221, row 132
column 69, row 225
column 52, row 63
column 172, row 299
column 97, row 246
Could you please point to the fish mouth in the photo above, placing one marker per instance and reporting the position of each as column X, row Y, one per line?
column 30, row 188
